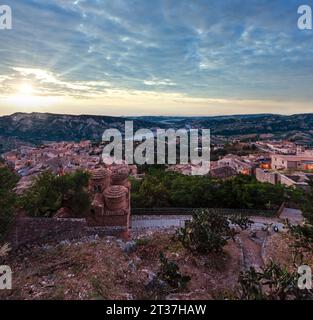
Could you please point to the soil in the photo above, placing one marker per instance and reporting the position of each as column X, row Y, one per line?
column 101, row 268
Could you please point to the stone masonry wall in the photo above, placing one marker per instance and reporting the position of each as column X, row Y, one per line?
column 42, row 230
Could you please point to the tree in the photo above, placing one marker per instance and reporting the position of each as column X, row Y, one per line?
column 49, row 193
column 152, row 193
column 160, row 189
column 307, row 206
column 8, row 181
column 42, row 199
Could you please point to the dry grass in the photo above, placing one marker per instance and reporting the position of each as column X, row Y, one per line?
column 100, row 270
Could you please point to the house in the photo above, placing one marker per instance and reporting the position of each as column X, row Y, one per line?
column 237, row 164
column 291, row 162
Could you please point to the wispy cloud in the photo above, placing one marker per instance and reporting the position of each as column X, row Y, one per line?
column 231, row 50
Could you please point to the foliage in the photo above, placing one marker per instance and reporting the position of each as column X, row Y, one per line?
column 243, row 222
column 207, row 232
column 307, row 206
column 8, row 181
column 272, row 283
column 49, row 193
column 151, row 193
column 303, row 235
column 169, row 272
column 169, row 189
column 303, row 240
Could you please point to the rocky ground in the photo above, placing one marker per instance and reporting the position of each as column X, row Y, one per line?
column 110, row 268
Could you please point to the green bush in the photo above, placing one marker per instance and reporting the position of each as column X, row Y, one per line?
column 49, row 193
column 272, row 283
column 8, row 181
column 307, row 206
column 169, row 272
column 303, row 240
column 208, row 231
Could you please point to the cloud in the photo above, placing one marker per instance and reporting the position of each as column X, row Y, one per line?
column 230, row 50
column 46, row 82
column 159, row 82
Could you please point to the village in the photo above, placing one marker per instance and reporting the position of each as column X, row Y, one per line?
column 276, row 162
column 111, row 222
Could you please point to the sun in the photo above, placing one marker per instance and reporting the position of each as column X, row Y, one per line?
column 24, row 96
column 27, row 97
column 25, row 89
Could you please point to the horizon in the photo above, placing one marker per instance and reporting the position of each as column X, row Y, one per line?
column 157, row 115
column 204, row 58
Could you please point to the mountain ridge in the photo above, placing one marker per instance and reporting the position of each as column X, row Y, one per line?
column 37, row 128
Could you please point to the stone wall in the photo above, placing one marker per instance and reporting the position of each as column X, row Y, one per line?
column 266, row 176
column 38, row 231
column 42, row 230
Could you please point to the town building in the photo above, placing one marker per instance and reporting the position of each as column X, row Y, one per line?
column 292, row 162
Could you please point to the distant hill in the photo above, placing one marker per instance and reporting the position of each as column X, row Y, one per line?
column 243, row 124
column 36, row 128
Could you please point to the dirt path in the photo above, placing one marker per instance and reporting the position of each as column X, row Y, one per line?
column 251, row 248
column 293, row 215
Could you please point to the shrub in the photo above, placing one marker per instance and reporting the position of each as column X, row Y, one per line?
column 307, row 205
column 272, row 283
column 209, row 231
column 8, row 181
column 169, row 272
column 303, row 240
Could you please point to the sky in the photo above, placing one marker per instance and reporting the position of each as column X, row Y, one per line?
column 160, row 57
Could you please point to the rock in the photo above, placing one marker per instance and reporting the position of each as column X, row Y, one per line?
column 153, row 282
column 138, row 260
column 132, row 266
column 128, row 296
column 127, row 247
column 65, row 243
column 62, row 213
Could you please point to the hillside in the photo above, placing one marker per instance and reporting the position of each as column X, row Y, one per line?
column 37, row 128
column 243, row 124
column 80, row 269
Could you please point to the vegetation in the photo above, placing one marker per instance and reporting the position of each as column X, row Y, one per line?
column 209, row 231
column 303, row 234
column 307, row 206
column 302, row 241
column 170, row 273
column 8, row 181
column 272, row 283
column 49, row 193
column 169, row 189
